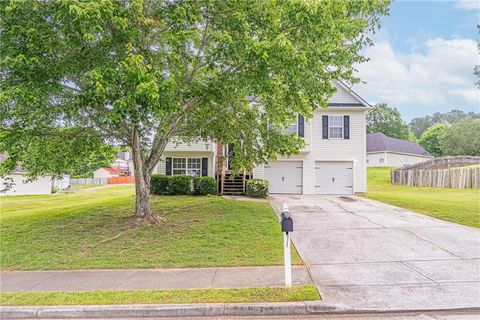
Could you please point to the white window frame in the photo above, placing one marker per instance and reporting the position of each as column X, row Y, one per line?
column 187, row 169
column 330, row 126
column 381, row 160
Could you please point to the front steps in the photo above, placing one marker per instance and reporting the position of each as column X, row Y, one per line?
column 233, row 185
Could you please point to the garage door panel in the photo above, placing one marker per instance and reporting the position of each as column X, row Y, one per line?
column 333, row 177
column 284, row 176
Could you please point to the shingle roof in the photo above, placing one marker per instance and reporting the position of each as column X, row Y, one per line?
column 380, row 142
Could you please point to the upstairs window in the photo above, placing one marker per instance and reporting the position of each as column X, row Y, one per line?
column 335, row 127
column 296, row 128
column 293, row 129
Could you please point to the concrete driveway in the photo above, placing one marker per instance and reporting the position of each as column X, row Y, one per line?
column 365, row 254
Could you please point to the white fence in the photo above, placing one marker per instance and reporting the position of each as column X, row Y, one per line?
column 89, row 181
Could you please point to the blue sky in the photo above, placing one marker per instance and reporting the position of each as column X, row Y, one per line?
column 423, row 58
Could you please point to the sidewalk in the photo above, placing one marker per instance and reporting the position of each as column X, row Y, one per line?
column 149, row 279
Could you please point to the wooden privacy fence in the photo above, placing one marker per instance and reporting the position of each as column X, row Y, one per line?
column 121, row 180
column 456, row 177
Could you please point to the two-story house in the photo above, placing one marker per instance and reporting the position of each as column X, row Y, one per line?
column 332, row 162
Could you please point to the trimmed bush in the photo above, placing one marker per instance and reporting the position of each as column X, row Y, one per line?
column 204, row 185
column 160, row 184
column 171, row 185
column 180, row 185
column 257, row 188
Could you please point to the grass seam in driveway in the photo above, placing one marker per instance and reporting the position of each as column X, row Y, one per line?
column 243, row 295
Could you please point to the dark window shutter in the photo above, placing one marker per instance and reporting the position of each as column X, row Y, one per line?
column 346, row 127
column 204, row 167
column 324, row 127
column 301, row 126
column 230, row 155
column 168, row 166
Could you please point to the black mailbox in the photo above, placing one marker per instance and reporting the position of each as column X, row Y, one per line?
column 286, row 221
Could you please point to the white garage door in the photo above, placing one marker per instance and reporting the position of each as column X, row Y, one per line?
column 333, row 177
column 284, row 176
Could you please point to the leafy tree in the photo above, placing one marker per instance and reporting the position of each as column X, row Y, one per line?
column 102, row 157
column 419, row 125
column 462, row 138
column 75, row 74
column 387, row 120
column 430, row 139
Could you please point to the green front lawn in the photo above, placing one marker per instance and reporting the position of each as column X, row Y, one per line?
column 95, row 228
column 300, row 293
column 456, row 205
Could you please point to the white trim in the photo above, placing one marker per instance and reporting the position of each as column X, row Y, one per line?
column 343, row 126
column 186, row 166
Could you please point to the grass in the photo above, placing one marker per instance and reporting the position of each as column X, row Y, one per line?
column 299, row 293
column 95, row 229
column 456, row 205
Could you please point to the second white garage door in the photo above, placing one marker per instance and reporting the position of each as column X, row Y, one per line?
column 284, row 176
column 333, row 177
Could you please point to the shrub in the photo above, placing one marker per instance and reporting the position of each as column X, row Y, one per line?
column 160, row 184
column 180, row 185
column 204, row 185
column 257, row 188
column 171, row 185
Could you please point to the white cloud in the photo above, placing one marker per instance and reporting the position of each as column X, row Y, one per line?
column 441, row 78
column 468, row 4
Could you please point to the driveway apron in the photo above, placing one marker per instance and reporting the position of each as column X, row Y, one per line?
column 364, row 254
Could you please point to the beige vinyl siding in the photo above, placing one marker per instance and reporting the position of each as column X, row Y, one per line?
column 342, row 96
column 42, row 185
column 374, row 159
column 399, row 159
column 200, row 146
column 352, row 149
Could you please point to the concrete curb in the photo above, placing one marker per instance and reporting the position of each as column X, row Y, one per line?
column 194, row 310
column 167, row 310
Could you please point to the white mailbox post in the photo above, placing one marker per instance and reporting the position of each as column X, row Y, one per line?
column 287, row 226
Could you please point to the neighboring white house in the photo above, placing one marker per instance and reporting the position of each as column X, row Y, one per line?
column 383, row 151
column 332, row 162
column 16, row 183
column 19, row 186
column 107, row 173
column 124, row 162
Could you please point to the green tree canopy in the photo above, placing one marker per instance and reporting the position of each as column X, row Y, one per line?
column 102, row 157
column 461, row 139
column 75, row 74
column 430, row 139
column 421, row 124
column 388, row 121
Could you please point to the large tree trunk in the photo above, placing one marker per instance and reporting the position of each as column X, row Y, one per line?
column 142, row 183
column 142, row 193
